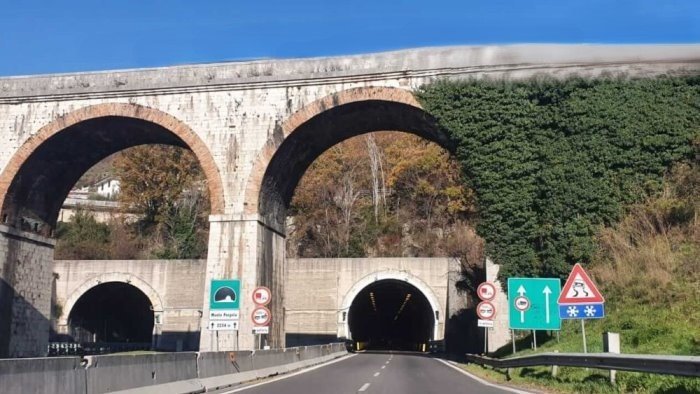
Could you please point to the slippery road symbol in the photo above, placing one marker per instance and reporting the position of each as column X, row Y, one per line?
column 579, row 285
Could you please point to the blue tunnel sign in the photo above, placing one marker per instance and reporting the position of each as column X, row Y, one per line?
column 225, row 294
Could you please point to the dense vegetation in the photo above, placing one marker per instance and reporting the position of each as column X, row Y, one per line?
column 648, row 267
column 165, row 202
column 383, row 194
column 552, row 161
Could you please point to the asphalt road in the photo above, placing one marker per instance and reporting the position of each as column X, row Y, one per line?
column 371, row 373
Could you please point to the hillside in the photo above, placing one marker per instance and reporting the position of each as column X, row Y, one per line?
column 648, row 268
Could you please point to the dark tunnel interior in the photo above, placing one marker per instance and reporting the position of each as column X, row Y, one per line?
column 112, row 312
column 391, row 314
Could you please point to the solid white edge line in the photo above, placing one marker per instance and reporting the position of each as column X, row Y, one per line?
column 482, row 381
column 285, row 376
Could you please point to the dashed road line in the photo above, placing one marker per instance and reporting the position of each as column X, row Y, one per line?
column 383, row 366
column 364, row 387
column 376, row 374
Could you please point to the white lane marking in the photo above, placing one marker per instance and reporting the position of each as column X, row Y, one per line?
column 364, row 387
column 383, row 366
column 349, row 356
column 482, row 381
column 386, row 363
column 376, row 374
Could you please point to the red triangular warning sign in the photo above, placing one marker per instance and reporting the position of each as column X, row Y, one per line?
column 579, row 289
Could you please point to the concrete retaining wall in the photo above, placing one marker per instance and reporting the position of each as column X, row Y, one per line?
column 188, row 372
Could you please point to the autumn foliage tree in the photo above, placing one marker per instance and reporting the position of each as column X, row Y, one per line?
column 381, row 194
column 167, row 188
column 164, row 187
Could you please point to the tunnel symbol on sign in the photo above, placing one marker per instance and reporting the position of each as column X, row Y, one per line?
column 225, row 294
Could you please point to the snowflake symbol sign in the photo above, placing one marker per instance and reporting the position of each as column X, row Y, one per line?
column 572, row 311
column 589, row 311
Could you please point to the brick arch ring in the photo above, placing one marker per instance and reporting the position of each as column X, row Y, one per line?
column 262, row 161
column 119, row 277
column 167, row 121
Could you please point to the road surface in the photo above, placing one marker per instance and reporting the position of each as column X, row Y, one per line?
column 370, row 373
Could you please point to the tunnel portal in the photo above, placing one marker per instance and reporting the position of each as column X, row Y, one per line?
column 391, row 314
column 112, row 312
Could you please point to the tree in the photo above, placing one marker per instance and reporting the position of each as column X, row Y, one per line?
column 153, row 177
column 82, row 239
column 384, row 194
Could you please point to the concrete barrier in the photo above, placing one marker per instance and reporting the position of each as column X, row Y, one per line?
column 162, row 373
column 224, row 363
column 121, row 372
column 265, row 363
column 263, row 359
column 42, row 375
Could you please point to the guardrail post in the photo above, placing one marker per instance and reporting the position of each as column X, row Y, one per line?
column 555, row 368
column 611, row 344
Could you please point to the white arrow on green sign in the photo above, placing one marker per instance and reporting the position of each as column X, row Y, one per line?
column 532, row 303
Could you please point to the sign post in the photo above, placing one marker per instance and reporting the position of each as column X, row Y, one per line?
column 580, row 299
column 486, row 311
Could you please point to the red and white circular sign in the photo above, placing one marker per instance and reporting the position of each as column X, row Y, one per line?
column 262, row 296
column 261, row 316
column 521, row 303
column 486, row 291
column 485, row 310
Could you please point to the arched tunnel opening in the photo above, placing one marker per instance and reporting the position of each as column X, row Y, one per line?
column 112, row 312
column 391, row 315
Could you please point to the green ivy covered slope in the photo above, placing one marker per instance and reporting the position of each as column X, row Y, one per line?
column 551, row 161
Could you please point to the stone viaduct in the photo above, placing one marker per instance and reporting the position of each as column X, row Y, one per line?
column 254, row 126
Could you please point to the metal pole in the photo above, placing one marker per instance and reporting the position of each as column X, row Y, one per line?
column 512, row 333
column 486, row 340
column 534, row 338
column 583, row 333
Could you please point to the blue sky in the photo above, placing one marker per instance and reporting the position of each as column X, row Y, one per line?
column 64, row 36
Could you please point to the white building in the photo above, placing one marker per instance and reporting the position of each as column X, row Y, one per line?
column 108, row 187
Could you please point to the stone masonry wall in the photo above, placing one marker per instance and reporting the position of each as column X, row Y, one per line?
column 25, row 292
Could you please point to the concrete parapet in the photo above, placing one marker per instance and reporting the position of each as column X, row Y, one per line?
column 224, row 363
column 270, row 358
column 42, row 375
column 113, row 373
column 164, row 373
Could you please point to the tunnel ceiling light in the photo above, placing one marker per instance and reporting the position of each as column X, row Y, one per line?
column 374, row 305
column 405, row 301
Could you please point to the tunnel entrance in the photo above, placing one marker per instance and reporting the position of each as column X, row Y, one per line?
column 115, row 313
column 391, row 314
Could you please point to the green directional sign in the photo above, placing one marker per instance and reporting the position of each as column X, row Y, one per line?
column 532, row 303
column 225, row 294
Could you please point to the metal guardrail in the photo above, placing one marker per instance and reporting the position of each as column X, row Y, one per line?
column 671, row 365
